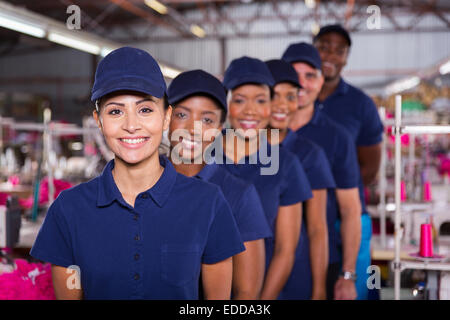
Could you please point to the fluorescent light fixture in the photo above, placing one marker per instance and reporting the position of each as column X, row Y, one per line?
column 311, row 4
column 403, row 85
column 20, row 26
column 105, row 51
column 198, row 31
column 445, row 68
column 169, row 72
column 74, row 43
column 315, row 28
column 157, row 6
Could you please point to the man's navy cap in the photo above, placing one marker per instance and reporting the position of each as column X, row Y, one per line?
column 283, row 72
column 337, row 28
column 196, row 82
column 247, row 70
column 303, row 52
column 128, row 68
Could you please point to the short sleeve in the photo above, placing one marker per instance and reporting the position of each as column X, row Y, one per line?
column 224, row 239
column 250, row 218
column 345, row 165
column 295, row 185
column 53, row 242
column 371, row 126
column 318, row 171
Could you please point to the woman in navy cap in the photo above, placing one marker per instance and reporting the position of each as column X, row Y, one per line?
column 308, row 276
column 140, row 230
column 282, row 188
column 199, row 111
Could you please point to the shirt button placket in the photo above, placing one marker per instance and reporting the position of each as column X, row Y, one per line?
column 138, row 244
column 137, row 268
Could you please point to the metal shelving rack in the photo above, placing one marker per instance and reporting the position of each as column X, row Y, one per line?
column 400, row 265
column 49, row 130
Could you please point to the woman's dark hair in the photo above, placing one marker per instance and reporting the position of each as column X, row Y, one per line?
column 166, row 101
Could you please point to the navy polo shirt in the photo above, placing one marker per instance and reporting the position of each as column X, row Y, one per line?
column 152, row 251
column 318, row 171
column 357, row 113
column 341, row 154
column 313, row 160
column 288, row 186
column 243, row 200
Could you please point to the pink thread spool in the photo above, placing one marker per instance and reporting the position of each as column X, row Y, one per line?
column 426, row 240
column 427, row 191
column 402, row 191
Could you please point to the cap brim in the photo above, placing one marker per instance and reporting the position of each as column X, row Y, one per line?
column 338, row 31
column 297, row 84
column 133, row 84
column 305, row 59
column 258, row 79
column 177, row 98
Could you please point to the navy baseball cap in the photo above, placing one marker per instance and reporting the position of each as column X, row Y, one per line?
column 283, row 72
column 303, row 52
column 337, row 28
column 247, row 70
column 128, row 68
column 197, row 82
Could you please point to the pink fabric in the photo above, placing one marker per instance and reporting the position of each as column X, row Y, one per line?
column 29, row 281
column 3, row 198
column 60, row 185
column 404, row 138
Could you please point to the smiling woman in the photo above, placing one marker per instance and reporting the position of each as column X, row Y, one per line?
column 132, row 124
column 282, row 192
column 120, row 230
column 199, row 100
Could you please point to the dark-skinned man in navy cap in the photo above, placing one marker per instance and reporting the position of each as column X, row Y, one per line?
column 357, row 112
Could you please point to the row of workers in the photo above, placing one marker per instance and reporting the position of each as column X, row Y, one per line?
column 206, row 221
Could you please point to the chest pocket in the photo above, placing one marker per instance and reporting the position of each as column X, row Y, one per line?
column 180, row 264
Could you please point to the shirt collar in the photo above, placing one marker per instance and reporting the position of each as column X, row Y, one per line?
column 315, row 120
column 207, row 171
column 316, row 116
column 342, row 87
column 108, row 191
column 223, row 158
column 290, row 136
column 161, row 190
